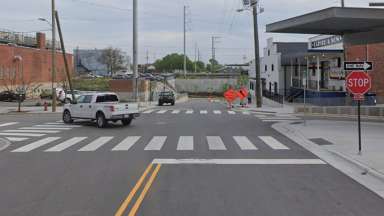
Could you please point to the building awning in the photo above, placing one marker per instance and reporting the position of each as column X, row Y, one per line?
column 332, row 21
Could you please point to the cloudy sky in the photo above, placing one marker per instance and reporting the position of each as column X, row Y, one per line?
column 92, row 24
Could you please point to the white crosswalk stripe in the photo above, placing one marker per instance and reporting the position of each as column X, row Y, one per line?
column 23, row 134
column 126, row 144
column 275, row 120
column 156, row 143
column 8, row 124
column 246, row 113
column 217, row 112
column 43, row 128
column 215, row 143
column 189, row 112
column 16, row 139
column 231, row 112
column 175, row 111
column 37, row 144
column 244, row 143
column 59, row 126
column 280, row 118
column 162, row 111
column 31, row 131
column 94, row 145
column 55, row 123
column 66, row 144
column 273, row 143
column 148, row 111
column 203, row 112
column 185, row 143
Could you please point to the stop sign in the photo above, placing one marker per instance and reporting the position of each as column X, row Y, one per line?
column 358, row 82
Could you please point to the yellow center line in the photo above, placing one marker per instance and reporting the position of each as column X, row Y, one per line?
column 144, row 192
column 126, row 202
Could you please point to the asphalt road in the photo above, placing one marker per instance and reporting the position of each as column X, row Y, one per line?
column 180, row 161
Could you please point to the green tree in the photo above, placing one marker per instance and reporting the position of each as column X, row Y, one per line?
column 216, row 65
column 173, row 62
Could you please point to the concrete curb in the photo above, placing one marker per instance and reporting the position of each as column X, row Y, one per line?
column 4, row 143
column 364, row 175
column 339, row 116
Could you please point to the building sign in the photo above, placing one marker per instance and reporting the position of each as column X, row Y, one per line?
column 326, row 42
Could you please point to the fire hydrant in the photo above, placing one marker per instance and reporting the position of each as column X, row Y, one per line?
column 45, row 106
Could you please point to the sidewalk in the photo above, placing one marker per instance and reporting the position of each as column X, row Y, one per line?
column 270, row 106
column 343, row 138
column 336, row 142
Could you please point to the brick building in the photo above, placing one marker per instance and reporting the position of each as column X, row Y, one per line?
column 26, row 62
column 362, row 30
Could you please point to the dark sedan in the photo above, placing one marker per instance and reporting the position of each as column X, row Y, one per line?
column 11, row 96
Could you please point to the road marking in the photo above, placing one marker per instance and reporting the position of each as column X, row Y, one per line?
column 156, row 143
column 59, row 126
column 126, row 144
column 279, row 118
column 185, row 143
column 55, row 123
column 273, row 143
column 23, row 134
column 215, row 143
column 162, row 111
column 43, row 128
column 246, row 113
column 203, row 112
column 147, row 186
column 37, row 144
column 8, row 124
column 60, row 121
column 217, row 112
column 244, row 143
column 175, row 111
column 275, row 120
column 126, row 202
column 189, row 112
column 260, row 116
column 242, row 161
column 148, row 111
column 94, row 145
column 32, row 131
column 16, row 139
column 231, row 112
column 66, row 144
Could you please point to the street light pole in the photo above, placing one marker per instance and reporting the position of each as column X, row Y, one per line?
column 134, row 55
column 53, row 61
column 342, row 3
column 257, row 55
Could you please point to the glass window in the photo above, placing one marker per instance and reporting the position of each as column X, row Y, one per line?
column 81, row 99
column 87, row 99
column 107, row 98
column 273, row 67
column 266, row 67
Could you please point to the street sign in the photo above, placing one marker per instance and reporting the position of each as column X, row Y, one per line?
column 358, row 82
column 363, row 66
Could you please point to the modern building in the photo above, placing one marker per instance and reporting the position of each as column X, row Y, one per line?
column 25, row 62
column 362, row 32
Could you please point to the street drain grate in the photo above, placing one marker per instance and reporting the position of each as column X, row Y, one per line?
column 321, row 141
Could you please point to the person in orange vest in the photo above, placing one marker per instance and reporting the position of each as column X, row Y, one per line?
column 230, row 95
column 243, row 93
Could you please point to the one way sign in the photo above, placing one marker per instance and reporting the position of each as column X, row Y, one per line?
column 362, row 66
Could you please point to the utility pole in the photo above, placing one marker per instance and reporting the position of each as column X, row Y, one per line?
column 185, row 38
column 53, row 61
column 257, row 54
column 196, row 57
column 147, row 63
column 135, row 72
column 213, row 53
column 342, row 3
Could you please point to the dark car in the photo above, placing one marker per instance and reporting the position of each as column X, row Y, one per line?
column 11, row 96
column 166, row 97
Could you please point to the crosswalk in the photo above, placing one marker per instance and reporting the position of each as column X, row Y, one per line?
column 155, row 143
column 35, row 131
column 263, row 116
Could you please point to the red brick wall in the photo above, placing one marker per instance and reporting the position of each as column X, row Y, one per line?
column 375, row 53
column 36, row 64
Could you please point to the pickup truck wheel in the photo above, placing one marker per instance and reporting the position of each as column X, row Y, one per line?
column 67, row 118
column 126, row 122
column 100, row 120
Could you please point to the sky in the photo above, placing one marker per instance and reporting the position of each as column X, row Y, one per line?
column 90, row 24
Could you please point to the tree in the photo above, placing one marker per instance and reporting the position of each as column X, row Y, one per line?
column 173, row 62
column 216, row 64
column 200, row 66
column 114, row 59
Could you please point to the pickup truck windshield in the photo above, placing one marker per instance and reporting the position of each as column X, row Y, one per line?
column 106, row 98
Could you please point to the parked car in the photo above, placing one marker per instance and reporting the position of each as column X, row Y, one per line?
column 66, row 96
column 11, row 96
column 102, row 107
column 166, row 97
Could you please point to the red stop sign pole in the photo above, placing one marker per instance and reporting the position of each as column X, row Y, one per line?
column 358, row 83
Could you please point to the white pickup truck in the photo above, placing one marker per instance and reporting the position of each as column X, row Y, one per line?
column 102, row 107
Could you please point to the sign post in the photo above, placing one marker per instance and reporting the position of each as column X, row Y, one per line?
column 358, row 83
